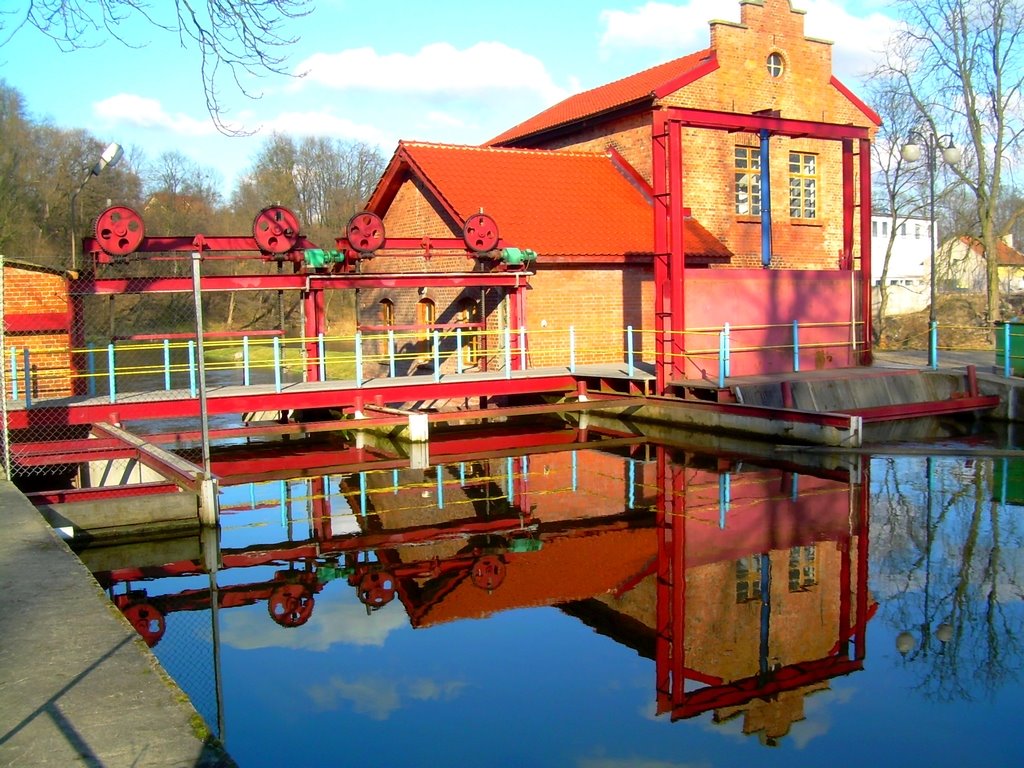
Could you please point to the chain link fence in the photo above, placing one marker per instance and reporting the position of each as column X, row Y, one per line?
column 125, row 333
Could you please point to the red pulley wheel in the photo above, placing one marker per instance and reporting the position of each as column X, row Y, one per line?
column 365, row 232
column 489, row 572
column 119, row 230
column 275, row 229
column 147, row 621
column 377, row 589
column 290, row 605
column 480, row 233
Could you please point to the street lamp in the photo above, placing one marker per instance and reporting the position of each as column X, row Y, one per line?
column 911, row 152
column 110, row 157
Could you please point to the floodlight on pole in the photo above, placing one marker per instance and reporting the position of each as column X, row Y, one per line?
column 912, row 152
column 110, row 157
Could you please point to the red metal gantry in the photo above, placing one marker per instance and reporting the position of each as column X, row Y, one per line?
column 120, row 233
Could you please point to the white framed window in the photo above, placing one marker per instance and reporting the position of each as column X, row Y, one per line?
column 747, row 180
column 803, row 185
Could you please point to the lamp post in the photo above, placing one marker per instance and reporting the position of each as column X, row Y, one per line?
column 911, row 152
column 110, row 157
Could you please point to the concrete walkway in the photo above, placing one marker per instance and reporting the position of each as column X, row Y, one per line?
column 77, row 684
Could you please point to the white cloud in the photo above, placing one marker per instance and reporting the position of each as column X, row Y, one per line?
column 662, row 25
column 484, row 70
column 331, row 623
column 684, row 28
column 145, row 112
column 857, row 38
column 379, row 697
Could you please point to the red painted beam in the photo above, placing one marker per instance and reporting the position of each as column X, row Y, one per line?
column 738, row 692
column 98, row 494
column 36, row 322
column 93, row 286
column 779, row 126
column 179, row 404
column 930, row 408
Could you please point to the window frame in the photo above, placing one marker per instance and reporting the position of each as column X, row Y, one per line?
column 751, row 186
column 806, row 205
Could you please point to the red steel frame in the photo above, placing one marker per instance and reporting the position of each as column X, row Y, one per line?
column 669, row 245
column 671, row 672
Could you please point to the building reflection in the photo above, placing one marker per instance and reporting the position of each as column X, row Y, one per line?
column 742, row 579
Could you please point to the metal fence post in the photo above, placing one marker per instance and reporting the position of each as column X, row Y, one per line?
column 111, row 375
column 727, row 330
column 359, row 359
column 721, row 359
column 14, row 373
column 90, row 369
column 1007, row 367
column 796, row 346
column 458, row 350
column 27, row 365
column 167, row 365
column 629, row 350
column 522, row 348
column 508, row 352
column 321, row 355
column 435, row 353
column 933, row 345
column 245, row 360
column 192, row 368
column 391, row 353
column 572, row 349
column 277, row 364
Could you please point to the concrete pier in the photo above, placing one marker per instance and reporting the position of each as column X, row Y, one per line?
column 78, row 686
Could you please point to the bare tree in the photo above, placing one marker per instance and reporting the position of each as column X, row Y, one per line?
column 896, row 182
column 961, row 63
column 235, row 39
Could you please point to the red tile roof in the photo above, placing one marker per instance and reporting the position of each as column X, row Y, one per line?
column 558, row 203
column 642, row 88
column 561, row 571
column 1007, row 255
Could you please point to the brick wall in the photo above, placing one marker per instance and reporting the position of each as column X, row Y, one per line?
column 37, row 318
column 600, row 302
column 742, row 84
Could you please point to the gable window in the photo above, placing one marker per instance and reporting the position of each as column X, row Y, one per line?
column 426, row 316
column 802, row 568
column 747, row 176
column 387, row 312
column 803, row 185
column 469, row 312
column 748, row 579
column 776, row 64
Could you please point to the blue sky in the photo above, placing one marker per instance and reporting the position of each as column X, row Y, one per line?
column 381, row 71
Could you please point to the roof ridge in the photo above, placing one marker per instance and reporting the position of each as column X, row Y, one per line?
column 508, row 150
column 621, row 97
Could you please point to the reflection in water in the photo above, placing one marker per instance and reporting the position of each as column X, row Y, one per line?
column 741, row 584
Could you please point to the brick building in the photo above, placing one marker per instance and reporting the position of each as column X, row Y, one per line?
column 721, row 187
column 37, row 320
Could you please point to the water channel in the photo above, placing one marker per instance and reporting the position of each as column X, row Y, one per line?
column 558, row 596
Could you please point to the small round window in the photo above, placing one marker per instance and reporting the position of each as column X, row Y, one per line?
column 776, row 64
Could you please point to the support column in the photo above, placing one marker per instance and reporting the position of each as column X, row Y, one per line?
column 676, row 260
column 766, row 198
column 313, row 311
column 662, row 203
column 849, row 202
column 516, row 320
column 865, row 248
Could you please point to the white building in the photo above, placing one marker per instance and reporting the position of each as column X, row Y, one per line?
column 909, row 275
